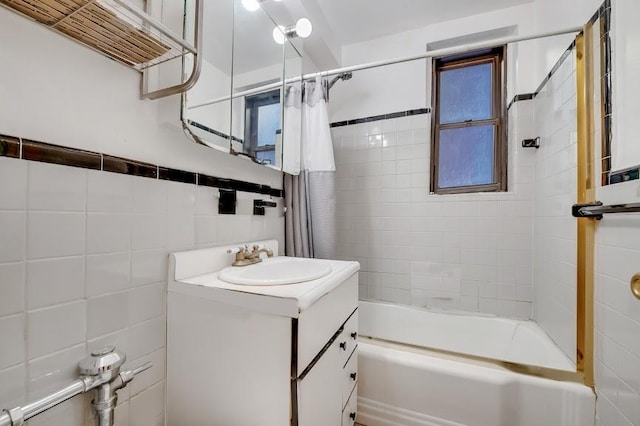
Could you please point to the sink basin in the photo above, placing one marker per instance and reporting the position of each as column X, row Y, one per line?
column 276, row 271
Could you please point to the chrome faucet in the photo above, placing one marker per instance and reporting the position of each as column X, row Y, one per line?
column 245, row 257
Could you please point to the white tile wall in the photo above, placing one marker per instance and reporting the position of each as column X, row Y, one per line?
column 617, row 321
column 40, row 292
column 55, row 234
column 83, row 264
column 555, row 192
column 468, row 252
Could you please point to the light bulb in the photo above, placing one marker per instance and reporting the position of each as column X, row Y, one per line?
column 304, row 27
column 251, row 5
column 278, row 34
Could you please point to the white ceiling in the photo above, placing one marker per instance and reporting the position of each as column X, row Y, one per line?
column 335, row 23
column 359, row 20
column 252, row 40
column 341, row 22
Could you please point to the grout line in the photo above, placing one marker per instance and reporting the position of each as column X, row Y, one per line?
column 24, row 269
column 84, row 255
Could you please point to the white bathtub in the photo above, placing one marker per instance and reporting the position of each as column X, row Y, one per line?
column 520, row 342
column 407, row 385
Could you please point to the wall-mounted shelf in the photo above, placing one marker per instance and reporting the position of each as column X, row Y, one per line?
column 119, row 31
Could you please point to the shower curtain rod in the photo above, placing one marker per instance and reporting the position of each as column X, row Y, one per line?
column 434, row 53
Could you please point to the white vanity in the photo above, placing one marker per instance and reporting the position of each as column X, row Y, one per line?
column 265, row 353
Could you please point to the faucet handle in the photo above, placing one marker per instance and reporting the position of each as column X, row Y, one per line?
column 238, row 250
column 256, row 247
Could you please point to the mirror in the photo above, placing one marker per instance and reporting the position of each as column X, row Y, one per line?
column 238, row 104
column 256, row 117
column 292, row 110
column 211, row 124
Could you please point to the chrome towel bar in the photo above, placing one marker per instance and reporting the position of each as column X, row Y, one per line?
column 597, row 209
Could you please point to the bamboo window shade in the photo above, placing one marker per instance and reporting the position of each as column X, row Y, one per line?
column 100, row 26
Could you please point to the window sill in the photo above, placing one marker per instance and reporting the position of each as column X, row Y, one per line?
column 482, row 196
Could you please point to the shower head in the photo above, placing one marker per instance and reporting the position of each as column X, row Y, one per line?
column 344, row 77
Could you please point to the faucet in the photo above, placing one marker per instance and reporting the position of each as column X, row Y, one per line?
column 244, row 257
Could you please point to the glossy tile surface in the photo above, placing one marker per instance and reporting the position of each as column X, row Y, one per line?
column 83, row 264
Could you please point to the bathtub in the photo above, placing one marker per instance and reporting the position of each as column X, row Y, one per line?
column 518, row 342
column 403, row 384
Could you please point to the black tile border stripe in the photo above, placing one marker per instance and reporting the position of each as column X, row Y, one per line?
column 522, row 97
column 601, row 10
column 389, row 116
column 175, row 175
column 9, row 147
column 128, row 167
column 556, row 67
column 56, row 154
column 213, row 131
column 568, row 52
column 516, row 98
column 14, row 147
column 606, row 94
column 609, row 177
column 223, row 183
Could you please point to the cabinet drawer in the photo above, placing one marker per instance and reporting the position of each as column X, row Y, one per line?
column 349, row 337
column 350, row 412
column 349, row 377
column 319, row 397
column 320, row 322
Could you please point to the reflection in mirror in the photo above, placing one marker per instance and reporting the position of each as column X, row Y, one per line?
column 211, row 124
column 292, row 114
column 236, row 106
column 256, row 117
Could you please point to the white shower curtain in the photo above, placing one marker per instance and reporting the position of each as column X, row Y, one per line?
column 310, row 197
column 291, row 144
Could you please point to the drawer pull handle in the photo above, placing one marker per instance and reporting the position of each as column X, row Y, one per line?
column 352, row 416
column 343, row 346
column 353, row 375
column 354, row 335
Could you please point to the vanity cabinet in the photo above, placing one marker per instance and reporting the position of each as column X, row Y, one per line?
column 240, row 355
column 326, row 389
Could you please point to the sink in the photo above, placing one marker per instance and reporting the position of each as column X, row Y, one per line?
column 279, row 270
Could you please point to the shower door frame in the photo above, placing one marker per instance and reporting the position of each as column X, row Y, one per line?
column 586, row 193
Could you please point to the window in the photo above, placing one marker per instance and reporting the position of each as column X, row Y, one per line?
column 262, row 124
column 469, row 132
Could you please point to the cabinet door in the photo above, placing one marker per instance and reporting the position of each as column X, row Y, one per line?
column 320, row 391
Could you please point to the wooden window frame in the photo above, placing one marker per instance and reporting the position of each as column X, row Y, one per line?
column 497, row 57
column 252, row 104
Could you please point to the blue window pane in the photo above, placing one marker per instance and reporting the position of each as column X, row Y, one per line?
column 465, row 94
column 268, row 123
column 266, row 157
column 466, row 156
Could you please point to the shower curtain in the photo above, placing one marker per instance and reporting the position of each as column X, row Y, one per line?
column 310, row 196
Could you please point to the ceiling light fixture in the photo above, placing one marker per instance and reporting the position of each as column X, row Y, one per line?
column 253, row 5
column 302, row 28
